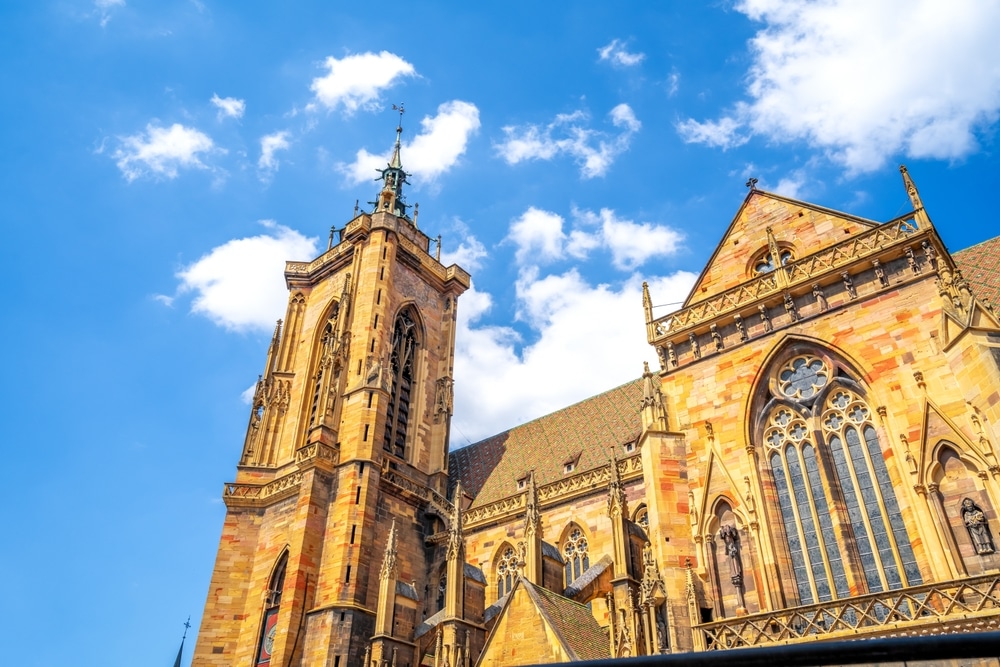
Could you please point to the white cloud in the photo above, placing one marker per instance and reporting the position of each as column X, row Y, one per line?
column 724, row 133
column 104, row 8
column 467, row 255
column 631, row 243
column 229, row 107
column 594, row 151
column 588, row 339
column 240, row 284
column 436, row 149
column 616, row 54
column 866, row 81
column 356, row 81
column 269, row 145
column 673, row 83
column 540, row 238
column 162, row 151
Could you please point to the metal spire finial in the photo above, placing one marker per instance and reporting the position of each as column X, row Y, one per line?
column 752, row 184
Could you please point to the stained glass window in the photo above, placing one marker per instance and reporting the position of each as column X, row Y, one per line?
column 575, row 555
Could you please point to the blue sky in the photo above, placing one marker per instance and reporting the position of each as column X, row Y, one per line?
column 162, row 160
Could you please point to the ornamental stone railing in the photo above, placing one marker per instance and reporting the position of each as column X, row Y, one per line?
column 966, row 604
column 584, row 482
column 874, row 241
column 407, row 485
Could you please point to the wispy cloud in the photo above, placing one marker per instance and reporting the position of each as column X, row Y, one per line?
column 240, row 284
column 229, row 107
column 105, row 9
column 442, row 141
column 844, row 77
column 356, row 81
column 270, row 144
column 616, row 54
column 162, row 151
column 593, row 150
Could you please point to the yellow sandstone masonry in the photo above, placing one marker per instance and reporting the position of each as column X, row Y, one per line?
column 816, row 435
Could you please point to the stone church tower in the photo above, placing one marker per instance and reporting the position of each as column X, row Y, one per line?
column 347, row 436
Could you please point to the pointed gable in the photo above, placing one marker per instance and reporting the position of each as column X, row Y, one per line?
column 798, row 228
column 537, row 626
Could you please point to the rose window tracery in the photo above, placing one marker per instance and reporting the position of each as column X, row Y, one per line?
column 803, row 377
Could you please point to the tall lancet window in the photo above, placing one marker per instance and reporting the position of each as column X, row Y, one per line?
column 506, row 570
column 401, row 378
column 575, row 555
column 272, row 602
column 324, row 369
column 843, row 528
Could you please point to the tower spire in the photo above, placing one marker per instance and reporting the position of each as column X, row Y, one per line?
column 390, row 200
column 180, row 651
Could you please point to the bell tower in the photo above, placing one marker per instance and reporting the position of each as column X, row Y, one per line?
column 347, row 437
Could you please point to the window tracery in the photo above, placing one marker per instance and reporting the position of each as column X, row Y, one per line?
column 272, row 602
column 766, row 263
column 575, row 555
column 401, row 379
column 831, row 482
column 506, row 571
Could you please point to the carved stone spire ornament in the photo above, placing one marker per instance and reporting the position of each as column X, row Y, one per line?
column 532, row 520
column 654, row 412
column 456, row 542
column 389, row 559
column 617, row 504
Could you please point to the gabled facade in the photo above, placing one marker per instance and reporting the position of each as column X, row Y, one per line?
column 814, row 458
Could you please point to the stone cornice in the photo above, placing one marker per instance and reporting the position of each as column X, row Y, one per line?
column 316, row 454
column 553, row 493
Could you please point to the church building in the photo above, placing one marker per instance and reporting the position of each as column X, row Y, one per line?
column 811, row 456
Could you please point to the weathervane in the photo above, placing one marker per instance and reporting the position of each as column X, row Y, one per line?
column 401, row 110
column 752, row 184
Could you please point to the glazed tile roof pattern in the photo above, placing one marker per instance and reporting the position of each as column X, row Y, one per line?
column 980, row 265
column 574, row 623
column 585, row 432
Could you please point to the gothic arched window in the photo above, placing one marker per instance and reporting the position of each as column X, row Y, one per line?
column 842, row 523
column 506, row 570
column 575, row 555
column 324, row 367
column 401, row 378
column 767, row 263
column 272, row 602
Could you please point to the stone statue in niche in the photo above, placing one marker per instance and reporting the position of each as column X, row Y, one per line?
column 764, row 318
column 716, row 338
column 671, row 354
column 849, row 285
column 880, row 273
column 731, row 537
column 741, row 328
column 911, row 260
column 695, row 348
column 820, row 297
column 790, row 307
column 930, row 254
column 979, row 528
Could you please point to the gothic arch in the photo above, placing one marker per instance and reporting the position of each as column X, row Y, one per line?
column 837, row 524
column 271, row 599
column 505, row 570
column 574, row 548
column 957, row 479
column 401, row 377
column 731, row 560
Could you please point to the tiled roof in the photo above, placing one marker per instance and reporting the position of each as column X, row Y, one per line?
column 489, row 469
column 573, row 622
column 980, row 265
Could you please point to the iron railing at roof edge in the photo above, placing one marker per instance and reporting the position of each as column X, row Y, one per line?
column 879, row 650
